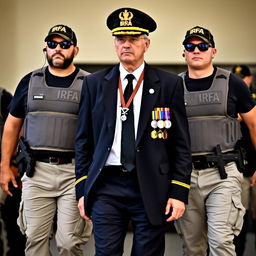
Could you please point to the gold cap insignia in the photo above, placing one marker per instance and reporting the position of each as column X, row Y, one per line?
column 238, row 70
column 125, row 18
column 59, row 29
column 196, row 31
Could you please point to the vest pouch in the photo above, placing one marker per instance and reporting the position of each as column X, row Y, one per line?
column 60, row 129
column 207, row 132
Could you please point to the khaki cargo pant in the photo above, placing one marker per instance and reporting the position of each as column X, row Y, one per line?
column 214, row 213
column 50, row 192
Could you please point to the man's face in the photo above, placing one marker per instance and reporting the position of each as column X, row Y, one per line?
column 198, row 59
column 248, row 80
column 130, row 49
column 58, row 57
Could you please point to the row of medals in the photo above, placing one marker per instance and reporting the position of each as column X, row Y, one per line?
column 160, row 123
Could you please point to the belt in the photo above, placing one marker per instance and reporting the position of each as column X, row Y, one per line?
column 55, row 160
column 118, row 170
column 200, row 163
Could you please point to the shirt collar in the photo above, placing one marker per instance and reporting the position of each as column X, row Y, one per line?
column 136, row 73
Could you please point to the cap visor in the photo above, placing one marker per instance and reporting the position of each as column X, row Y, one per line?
column 57, row 34
column 201, row 37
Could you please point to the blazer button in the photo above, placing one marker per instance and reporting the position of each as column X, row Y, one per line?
column 137, row 150
column 109, row 149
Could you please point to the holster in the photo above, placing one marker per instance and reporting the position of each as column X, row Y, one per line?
column 24, row 158
column 219, row 160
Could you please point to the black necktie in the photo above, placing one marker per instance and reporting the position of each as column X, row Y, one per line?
column 128, row 135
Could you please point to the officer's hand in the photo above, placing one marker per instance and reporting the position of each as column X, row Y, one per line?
column 253, row 179
column 6, row 176
column 15, row 171
column 81, row 209
column 178, row 208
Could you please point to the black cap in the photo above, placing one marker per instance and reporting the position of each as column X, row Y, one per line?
column 129, row 21
column 241, row 70
column 200, row 32
column 63, row 31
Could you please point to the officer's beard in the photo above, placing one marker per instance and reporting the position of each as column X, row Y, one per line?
column 61, row 65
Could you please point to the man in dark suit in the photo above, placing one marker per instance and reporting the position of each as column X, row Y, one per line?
column 133, row 158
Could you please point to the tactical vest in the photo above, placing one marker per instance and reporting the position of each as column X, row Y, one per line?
column 1, row 117
column 52, row 113
column 209, row 123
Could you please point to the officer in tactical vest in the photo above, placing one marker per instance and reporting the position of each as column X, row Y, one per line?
column 213, row 98
column 46, row 103
column 5, row 99
column 248, row 191
column 9, row 206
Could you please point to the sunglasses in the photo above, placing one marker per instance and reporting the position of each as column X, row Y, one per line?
column 63, row 44
column 202, row 47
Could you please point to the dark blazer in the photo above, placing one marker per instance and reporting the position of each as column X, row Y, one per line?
column 163, row 166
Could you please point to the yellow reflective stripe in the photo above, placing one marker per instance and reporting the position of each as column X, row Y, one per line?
column 80, row 179
column 126, row 33
column 181, row 184
column 130, row 28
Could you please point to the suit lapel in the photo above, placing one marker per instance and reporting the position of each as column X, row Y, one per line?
column 109, row 91
column 151, row 89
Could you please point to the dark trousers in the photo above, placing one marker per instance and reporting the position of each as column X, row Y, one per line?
column 248, row 226
column 10, row 212
column 118, row 201
column 240, row 240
